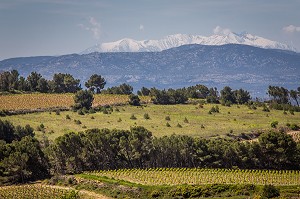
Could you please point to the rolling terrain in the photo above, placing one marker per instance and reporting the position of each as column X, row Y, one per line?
column 238, row 66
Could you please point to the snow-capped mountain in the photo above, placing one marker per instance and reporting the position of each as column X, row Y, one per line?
column 171, row 41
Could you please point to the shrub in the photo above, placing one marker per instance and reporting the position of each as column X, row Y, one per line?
column 270, row 191
column 57, row 112
column 105, row 111
column 294, row 127
column 134, row 100
column 77, row 122
column 91, row 111
column 3, row 113
column 274, row 124
column 168, row 118
column 119, row 120
column 185, row 120
column 82, row 99
column 155, row 194
column 265, row 108
column 68, row 117
column 146, row 116
column 80, row 112
column 92, row 117
column 179, row 125
column 132, row 117
column 168, row 125
column 214, row 110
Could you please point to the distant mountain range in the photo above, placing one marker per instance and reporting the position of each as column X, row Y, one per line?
column 172, row 41
column 239, row 66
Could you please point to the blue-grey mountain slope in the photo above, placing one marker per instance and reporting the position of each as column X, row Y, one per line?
column 238, row 66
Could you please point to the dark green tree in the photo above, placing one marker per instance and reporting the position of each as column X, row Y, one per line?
column 83, row 99
column 227, row 95
column 33, row 80
column 242, row 96
column 71, row 84
column 213, row 96
column 279, row 150
column 144, row 91
column 294, row 95
column 64, row 83
column 23, row 84
column 134, row 100
column 96, row 82
column 43, row 85
column 280, row 95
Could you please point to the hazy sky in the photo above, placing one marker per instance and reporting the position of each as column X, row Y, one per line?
column 54, row 27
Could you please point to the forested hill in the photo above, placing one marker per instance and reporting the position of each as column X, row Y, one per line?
column 238, row 66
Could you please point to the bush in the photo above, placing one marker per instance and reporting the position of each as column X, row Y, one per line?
column 80, row 112
column 134, row 100
column 179, row 125
column 132, row 117
column 185, row 120
column 294, row 127
column 168, row 118
column 270, row 191
column 265, row 108
column 77, row 122
column 274, row 124
column 92, row 111
column 168, row 125
column 57, row 112
column 214, row 110
column 155, row 194
column 3, row 113
column 68, row 117
column 146, row 116
column 82, row 99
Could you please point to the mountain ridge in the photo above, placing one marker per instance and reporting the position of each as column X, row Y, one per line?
column 235, row 65
column 176, row 40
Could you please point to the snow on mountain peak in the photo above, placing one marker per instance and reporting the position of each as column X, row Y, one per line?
column 220, row 37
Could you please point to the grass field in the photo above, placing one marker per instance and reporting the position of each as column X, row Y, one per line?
column 234, row 119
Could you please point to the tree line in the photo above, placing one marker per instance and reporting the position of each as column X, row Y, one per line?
column 23, row 157
column 11, row 81
column 227, row 96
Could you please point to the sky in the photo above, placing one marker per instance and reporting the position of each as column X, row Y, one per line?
column 57, row 27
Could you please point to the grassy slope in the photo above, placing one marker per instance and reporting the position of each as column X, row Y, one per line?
column 238, row 120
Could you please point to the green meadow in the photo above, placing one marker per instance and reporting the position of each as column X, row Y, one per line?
column 192, row 120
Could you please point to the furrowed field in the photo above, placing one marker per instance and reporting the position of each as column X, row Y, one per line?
column 43, row 101
column 194, row 176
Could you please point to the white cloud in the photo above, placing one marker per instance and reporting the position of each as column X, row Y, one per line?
column 141, row 27
column 291, row 29
column 93, row 27
column 221, row 31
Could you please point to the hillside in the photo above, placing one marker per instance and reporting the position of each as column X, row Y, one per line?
column 238, row 66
